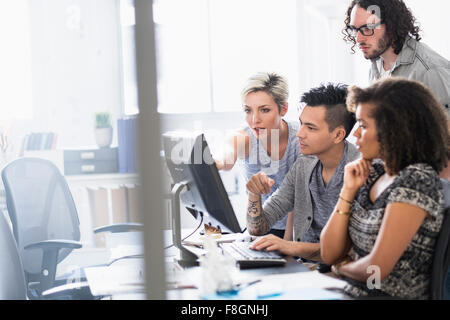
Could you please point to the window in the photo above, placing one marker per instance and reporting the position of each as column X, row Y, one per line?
column 183, row 61
column 75, row 65
column 128, row 28
column 248, row 37
column 207, row 49
column 15, row 60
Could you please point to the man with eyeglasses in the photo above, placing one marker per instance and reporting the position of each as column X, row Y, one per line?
column 387, row 34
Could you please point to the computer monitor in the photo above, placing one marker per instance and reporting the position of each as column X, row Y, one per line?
column 189, row 161
column 197, row 186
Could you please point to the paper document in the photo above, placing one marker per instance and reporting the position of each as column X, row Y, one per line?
column 312, row 279
column 197, row 239
column 126, row 277
column 126, row 250
column 300, row 285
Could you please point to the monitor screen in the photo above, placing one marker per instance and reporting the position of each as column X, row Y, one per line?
column 189, row 160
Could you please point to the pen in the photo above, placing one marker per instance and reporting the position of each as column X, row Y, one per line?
column 238, row 287
column 248, row 284
column 180, row 286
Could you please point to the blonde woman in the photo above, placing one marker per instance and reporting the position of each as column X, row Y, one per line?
column 268, row 143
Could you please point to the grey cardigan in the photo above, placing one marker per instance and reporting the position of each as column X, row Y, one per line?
column 294, row 194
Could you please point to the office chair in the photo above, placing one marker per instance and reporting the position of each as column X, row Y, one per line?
column 442, row 251
column 12, row 276
column 44, row 219
column 12, row 279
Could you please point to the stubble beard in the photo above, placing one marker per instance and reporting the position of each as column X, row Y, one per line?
column 382, row 45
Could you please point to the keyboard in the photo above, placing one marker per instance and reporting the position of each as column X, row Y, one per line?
column 247, row 258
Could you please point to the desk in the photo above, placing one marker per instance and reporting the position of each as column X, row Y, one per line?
column 292, row 281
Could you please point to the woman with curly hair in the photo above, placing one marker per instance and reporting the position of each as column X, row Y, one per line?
column 388, row 34
column 390, row 209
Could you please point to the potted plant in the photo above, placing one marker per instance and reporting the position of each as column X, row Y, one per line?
column 103, row 129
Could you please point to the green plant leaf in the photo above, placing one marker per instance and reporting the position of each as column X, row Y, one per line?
column 102, row 120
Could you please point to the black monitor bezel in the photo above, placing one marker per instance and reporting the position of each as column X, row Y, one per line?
column 226, row 216
column 193, row 171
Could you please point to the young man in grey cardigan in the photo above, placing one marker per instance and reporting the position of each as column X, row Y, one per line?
column 311, row 187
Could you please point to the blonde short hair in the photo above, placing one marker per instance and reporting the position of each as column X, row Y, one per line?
column 271, row 83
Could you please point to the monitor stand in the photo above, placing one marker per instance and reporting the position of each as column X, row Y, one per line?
column 187, row 258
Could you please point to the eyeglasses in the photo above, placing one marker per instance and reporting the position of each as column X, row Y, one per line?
column 366, row 30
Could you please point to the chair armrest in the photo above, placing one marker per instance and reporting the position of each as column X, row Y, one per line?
column 120, row 227
column 50, row 250
column 54, row 244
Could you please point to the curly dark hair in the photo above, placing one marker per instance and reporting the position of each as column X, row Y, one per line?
column 332, row 97
column 395, row 15
column 411, row 124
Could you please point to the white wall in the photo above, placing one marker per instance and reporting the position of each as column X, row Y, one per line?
column 435, row 24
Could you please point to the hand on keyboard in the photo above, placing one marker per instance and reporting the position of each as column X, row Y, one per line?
column 273, row 243
column 248, row 258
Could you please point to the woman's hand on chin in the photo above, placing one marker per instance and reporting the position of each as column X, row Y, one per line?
column 355, row 175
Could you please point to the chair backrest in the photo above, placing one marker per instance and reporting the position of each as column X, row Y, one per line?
column 12, row 279
column 442, row 250
column 40, row 206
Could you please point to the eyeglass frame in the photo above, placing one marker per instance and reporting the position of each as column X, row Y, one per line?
column 354, row 31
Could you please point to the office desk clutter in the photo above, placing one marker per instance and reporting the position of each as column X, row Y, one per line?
column 217, row 269
column 198, row 238
column 293, row 280
column 110, row 281
column 124, row 272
